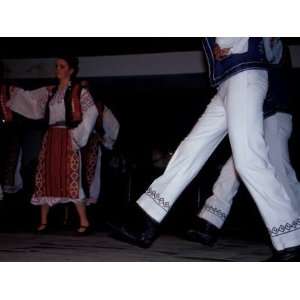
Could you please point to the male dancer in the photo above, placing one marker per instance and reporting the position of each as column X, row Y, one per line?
column 278, row 129
column 238, row 68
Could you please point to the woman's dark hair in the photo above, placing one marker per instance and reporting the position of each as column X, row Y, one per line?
column 73, row 63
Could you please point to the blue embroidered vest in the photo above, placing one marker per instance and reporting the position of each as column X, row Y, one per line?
column 220, row 70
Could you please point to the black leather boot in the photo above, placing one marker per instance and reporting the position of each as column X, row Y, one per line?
column 203, row 232
column 139, row 229
column 286, row 255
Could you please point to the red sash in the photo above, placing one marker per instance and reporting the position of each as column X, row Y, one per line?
column 6, row 114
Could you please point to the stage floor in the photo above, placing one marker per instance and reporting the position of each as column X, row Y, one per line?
column 100, row 247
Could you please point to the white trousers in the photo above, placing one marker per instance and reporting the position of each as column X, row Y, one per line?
column 237, row 110
column 278, row 129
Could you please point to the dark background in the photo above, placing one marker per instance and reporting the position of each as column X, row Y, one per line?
column 28, row 47
column 154, row 112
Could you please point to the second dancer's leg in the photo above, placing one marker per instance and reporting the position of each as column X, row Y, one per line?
column 245, row 126
column 207, row 225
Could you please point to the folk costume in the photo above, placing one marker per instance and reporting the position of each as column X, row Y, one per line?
column 71, row 115
column 241, row 79
column 278, row 129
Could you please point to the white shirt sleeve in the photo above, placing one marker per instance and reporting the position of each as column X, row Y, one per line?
column 111, row 128
column 81, row 133
column 30, row 104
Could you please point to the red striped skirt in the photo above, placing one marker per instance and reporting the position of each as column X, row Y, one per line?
column 58, row 172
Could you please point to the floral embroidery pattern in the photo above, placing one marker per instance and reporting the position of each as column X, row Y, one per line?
column 284, row 229
column 58, row 98
column 57, row 176
column 156, row 197
column 215, row 211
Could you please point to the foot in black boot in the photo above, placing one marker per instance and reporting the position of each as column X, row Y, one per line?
column 286, row 255
column 139, row 229
column 203, row 232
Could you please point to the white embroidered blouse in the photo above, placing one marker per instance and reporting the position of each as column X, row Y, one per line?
column 32, row 105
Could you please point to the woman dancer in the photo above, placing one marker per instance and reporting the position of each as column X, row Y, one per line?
column 71, row 114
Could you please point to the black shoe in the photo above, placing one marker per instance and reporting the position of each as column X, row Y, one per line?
column 286, row 255
column 203, row 232
column 140, row 229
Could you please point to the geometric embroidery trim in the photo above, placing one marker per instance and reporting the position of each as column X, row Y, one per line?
column 215, row 211
column 156, row 197
column 285, row 228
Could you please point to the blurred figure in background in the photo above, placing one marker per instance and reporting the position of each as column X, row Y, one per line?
column 105, row 133
column 10, row 147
